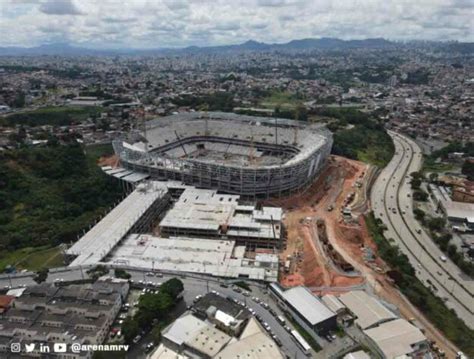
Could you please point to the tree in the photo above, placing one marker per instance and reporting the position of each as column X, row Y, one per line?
column 433, row 177
column 98, row 271
column 468, row 170
column 130, row 329
column 301, row 114
column 420, row 195
column 173, row 287
column 19, row 100
column 41, row 275
column 436, row 224
column 419, row 214
column 120, row 273
column 415, row 183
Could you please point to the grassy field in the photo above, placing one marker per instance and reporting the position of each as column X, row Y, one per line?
column 281, row 99
column 32, row 258
column 429, row 165
column 94, row 152
column 55, row 116
column 378, row 156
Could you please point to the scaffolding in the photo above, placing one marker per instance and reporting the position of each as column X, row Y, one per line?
column 302, row 149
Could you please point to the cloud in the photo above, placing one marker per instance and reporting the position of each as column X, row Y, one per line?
column 116, row 20
column 174, row 23
column 60, row 7
column 276, row 3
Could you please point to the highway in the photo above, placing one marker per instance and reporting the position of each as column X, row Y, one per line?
column 391, row 199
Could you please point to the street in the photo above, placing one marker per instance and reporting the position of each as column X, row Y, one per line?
column 391, row 198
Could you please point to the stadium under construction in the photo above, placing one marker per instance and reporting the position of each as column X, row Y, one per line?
column 254, row 157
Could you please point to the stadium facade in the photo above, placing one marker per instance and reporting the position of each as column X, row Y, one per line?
column 254, row 157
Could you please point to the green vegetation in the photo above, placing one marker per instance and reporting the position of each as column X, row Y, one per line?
column 417, row 77
column 55, row 116
column 282, row 100
column 153, row 309
column 433, row 307
column 468, row 170
column 217, row 101
column 437, row 225
column 121, row 273
column 359, row 136
column 47, row 258
column 49, row 196
column 41, row 275
column 32, row 258
column 437, row 229
column 431, row 163
column 98, row 271
column 416, row 180
column 420, row 195
column 419, row 214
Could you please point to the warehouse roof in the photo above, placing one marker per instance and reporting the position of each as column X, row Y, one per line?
column 396, row 338
column 369, row 310
column 253, row 343
column 360, row 354
column 333, row 303
column 183, row 329
column 459, row 210
column 306, row 304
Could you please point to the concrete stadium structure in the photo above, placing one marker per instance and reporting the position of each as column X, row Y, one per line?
column 254, row 157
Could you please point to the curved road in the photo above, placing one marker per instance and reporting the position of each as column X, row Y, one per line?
column 392, row 203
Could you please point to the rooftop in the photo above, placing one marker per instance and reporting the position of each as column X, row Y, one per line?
column 308, row 305
column 165, row 135
column 201, row 209
column 211, row 256
column 369, row 310
column 104, row 236
column 396, row 338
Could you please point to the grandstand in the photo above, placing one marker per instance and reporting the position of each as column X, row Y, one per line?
column 254, row 157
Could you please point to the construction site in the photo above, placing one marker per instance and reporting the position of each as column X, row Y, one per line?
column 244, row 207
column 255, row 157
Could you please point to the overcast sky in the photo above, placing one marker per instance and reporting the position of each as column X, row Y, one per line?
column 177, row 23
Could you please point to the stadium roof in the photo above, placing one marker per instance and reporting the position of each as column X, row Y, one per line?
column 369, row 310
column 271, row 131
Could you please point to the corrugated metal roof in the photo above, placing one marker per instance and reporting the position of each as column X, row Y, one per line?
column 310, row 307
column 396, row 338
column 369, row 310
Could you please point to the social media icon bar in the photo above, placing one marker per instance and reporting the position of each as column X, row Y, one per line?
column 60, row 347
